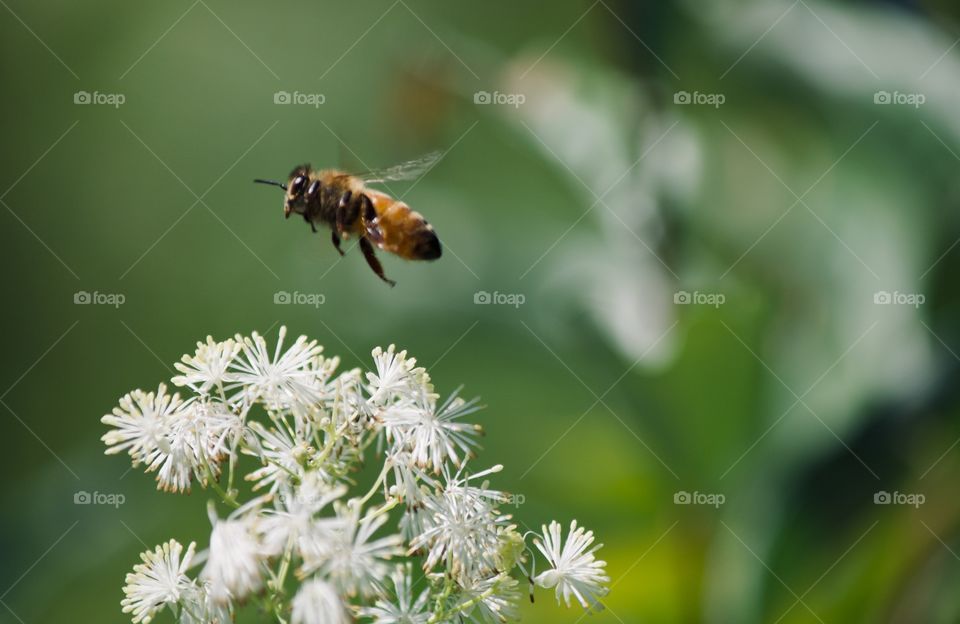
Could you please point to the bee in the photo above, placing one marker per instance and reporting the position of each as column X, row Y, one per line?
column 346, row 204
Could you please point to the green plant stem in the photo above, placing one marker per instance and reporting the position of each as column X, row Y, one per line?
column 376, row 484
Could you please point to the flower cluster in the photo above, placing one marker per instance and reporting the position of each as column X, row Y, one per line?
column 300, row 543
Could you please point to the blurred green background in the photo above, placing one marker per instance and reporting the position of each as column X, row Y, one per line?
column 733, row 226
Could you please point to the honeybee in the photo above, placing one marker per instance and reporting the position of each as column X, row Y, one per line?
column 348, row 206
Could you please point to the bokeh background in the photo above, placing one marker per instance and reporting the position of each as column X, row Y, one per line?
column 717, row 244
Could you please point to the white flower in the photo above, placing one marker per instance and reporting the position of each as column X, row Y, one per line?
column 351, row 559
column 293, row 377
column 148, row 427
column 495, row 599
column 160, row 580
column 318, row 603
column 294, row 518
column 396, row 375
column 178, row 439
column 408, row 479
column 310, row 431
column 433, row 435
column 462, row 527
column 206, row 369
column 398, row 605
column 575, row 572
column 198, row 607
column 283, row 454
column 347, row 404
column 198, row 438
column 210, row 427
column 176, row 466
column 141, row 423
column 235, row 564
column 414, row 522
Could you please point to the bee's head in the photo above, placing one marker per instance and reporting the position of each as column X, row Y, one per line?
column 296, row 201
column 296, row 188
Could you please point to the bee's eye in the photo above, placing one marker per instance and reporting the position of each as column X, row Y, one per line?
column 296, row 187
column 314, row 188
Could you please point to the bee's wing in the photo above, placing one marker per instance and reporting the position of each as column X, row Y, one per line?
column 404, row 171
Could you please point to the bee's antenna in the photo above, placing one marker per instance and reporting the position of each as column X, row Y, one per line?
column 271, row 183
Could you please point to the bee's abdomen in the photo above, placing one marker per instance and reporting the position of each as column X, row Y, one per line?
column 406, row 233
column 424, row 244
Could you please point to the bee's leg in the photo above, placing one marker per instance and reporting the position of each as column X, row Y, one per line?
column 336, row 241
column 371, row 257
column 370, row 222
column 340, row 214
